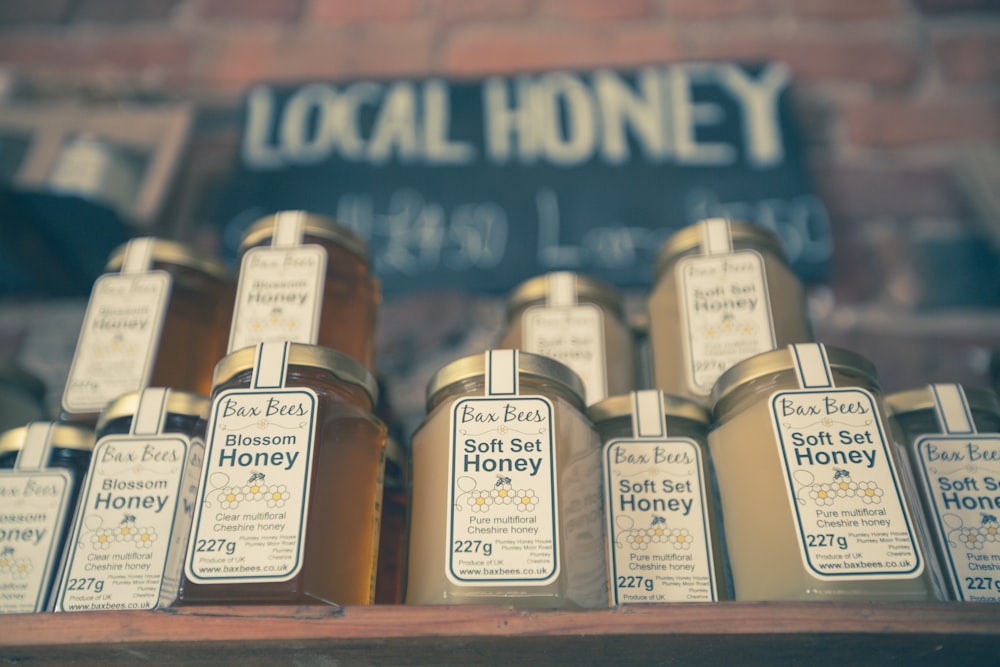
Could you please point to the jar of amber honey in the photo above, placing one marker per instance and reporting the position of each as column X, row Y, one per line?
column 158, row 317
column 723, row 292
column 307, row 279
column 42, row 466
column 131, row 528
column 289, row 503
column 506, row 501
column 578, row 321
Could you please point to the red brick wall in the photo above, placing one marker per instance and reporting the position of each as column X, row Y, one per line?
column 894, row 96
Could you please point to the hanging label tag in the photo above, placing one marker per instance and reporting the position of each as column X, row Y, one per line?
column 502, row 523
column 569, row 332
column 128, row 541
column 34, row 511
column 724, row 307
column 851, row 519
column 960, row 474
column 118, row 340
column 659, row 534
column 279, row 295
column 252, row 509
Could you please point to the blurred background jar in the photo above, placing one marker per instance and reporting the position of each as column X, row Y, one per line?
column 159, row 316
column 308, row 279
column 723, row 292
column 578, row 321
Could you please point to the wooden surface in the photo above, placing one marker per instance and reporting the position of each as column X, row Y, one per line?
column 700, row 634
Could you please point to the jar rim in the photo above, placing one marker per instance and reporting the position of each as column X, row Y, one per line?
column 618, row 406
column 64, row 436
column 781, row 360
column 532, row 365
column 178, row 402
column 343, row 366
column 173, row 252
column 922, row 398
column 587, row 289
column 745, row 235
column 313, row 224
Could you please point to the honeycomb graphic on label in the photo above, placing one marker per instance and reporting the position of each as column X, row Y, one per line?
column 255, row 489
column 658, row 532
column 502, row 493
column 274, row 321
column 102, row 537
column 825, row 494
column 729, row 327
column 13, row 567
column 974, row 537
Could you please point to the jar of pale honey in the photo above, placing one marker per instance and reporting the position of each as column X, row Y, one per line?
column 813, row 504
column 723, row 292
column 506, row 499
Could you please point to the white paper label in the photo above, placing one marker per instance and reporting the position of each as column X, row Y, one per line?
column 118, row 340
column 33, row 509
column 844, row 491
column 573, row 335
column 279, row 296
column 128, row 512
column 725, row 313
column 961, row 477
column 250, row 518
column 502, row 525
column 658, row 523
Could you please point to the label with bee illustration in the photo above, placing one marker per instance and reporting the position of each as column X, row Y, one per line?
column 850, row 516
column 118, row 339
column 725, row 313
column 502, row 524
column 960, row 475
column 279, row 295
column 659, row 534
column 131, row 525
column 31, row 523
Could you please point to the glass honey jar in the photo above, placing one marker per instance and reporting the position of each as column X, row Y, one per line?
column 723, row 292
column 812, row 501
column 578, row 321
column 42, row 467
column 506, row 501
column 130, row 533
column 289, row 503
column 663, row 536
column 951, row 439
column 159, row 316
column 307, row 279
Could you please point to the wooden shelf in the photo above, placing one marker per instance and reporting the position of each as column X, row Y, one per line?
column 743, row 633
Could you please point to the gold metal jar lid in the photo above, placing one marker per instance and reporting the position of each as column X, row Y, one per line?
column 529, row 365
column 64, row 436
column 172, row 252
column 922, row 398
column 344, row 367
column 767, row 364
column 178, row 403
column 587, row 289
column 313, row 224
column 745, row 235
column 615, row 407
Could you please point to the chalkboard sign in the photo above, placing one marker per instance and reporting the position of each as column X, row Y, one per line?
column 480, row 184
